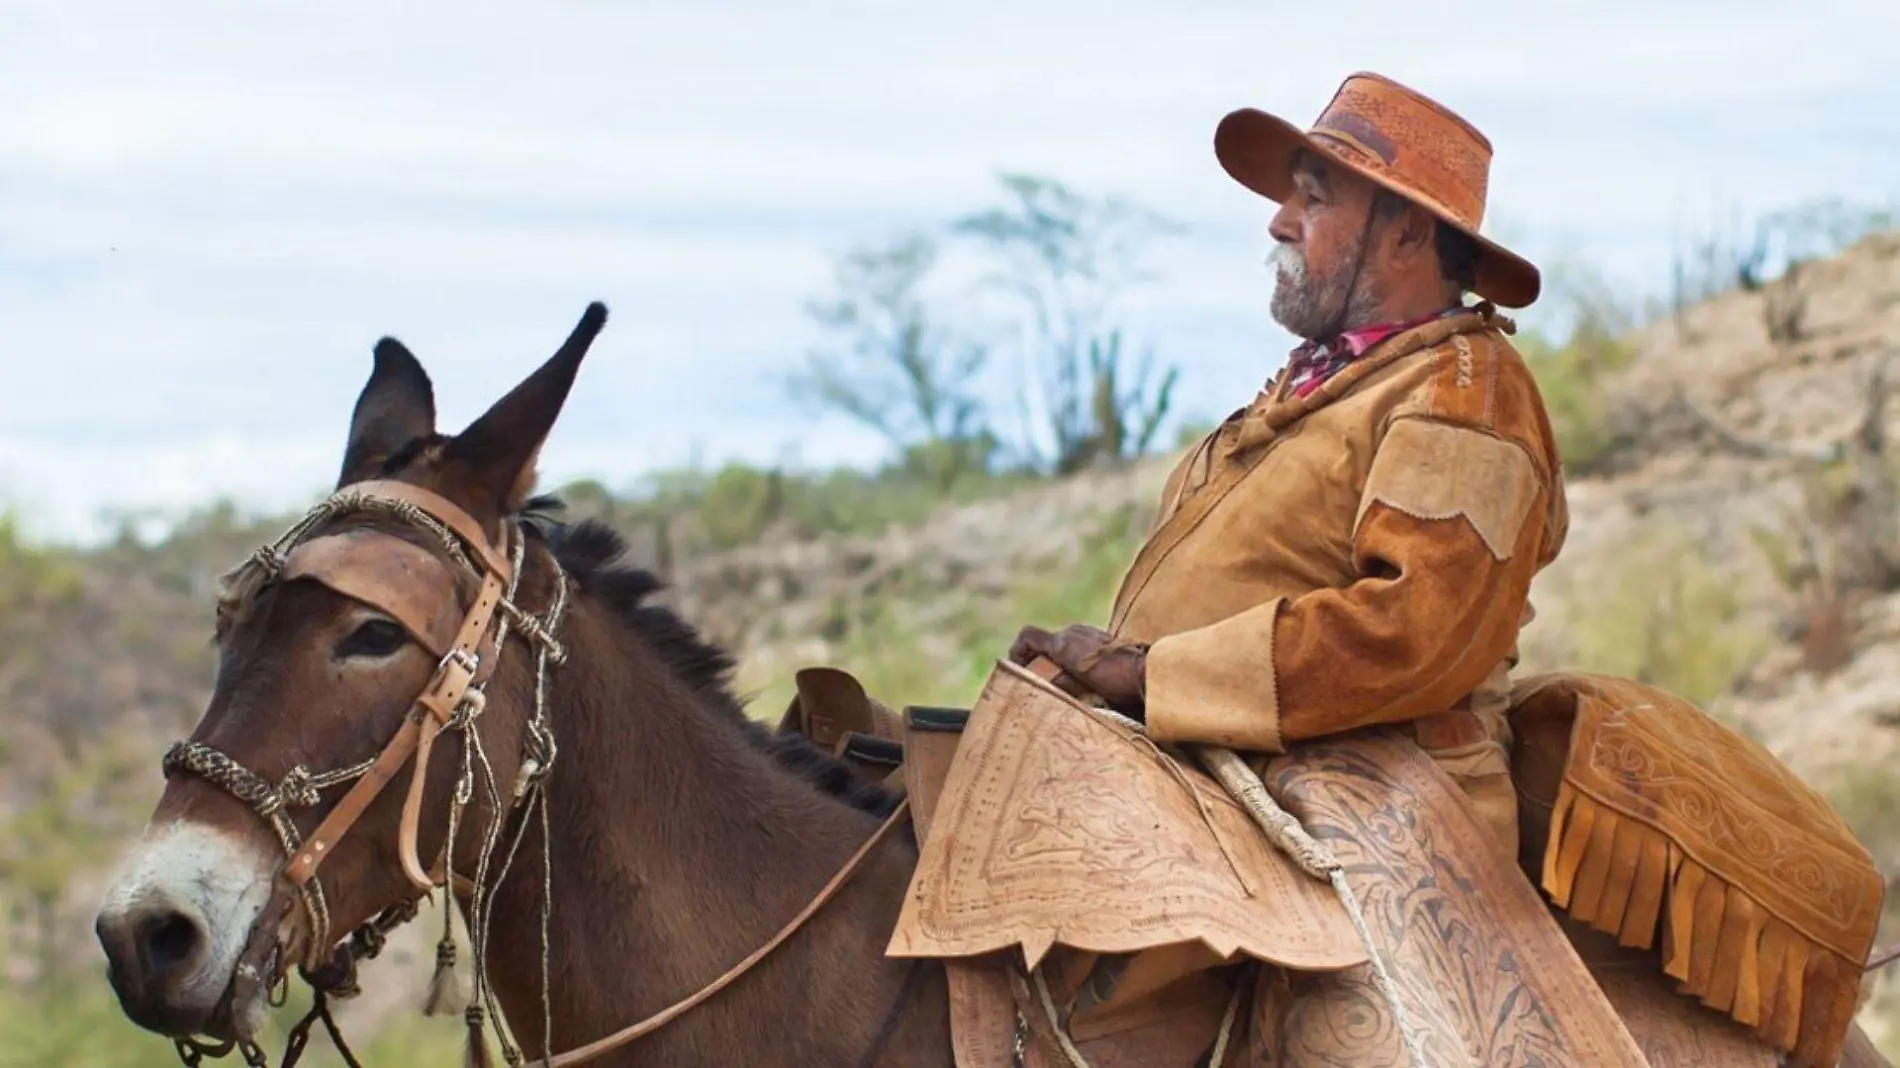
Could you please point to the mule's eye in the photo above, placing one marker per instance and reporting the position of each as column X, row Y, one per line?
column 376, row 638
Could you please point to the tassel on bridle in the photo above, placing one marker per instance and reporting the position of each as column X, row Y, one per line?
column 477, row 1055
column 447, row 996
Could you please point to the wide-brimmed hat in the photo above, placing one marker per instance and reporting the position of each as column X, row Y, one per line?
column 1399, row 138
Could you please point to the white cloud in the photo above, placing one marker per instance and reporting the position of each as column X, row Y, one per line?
column 209, row 211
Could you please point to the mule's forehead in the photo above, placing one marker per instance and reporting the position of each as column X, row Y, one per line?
column 408, row 583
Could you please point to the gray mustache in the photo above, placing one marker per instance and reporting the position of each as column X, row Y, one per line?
column 1287, row 260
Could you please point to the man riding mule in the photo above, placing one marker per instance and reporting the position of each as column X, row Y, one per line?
column 430, row 684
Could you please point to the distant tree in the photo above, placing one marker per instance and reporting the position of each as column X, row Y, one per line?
column 1065, row 260
column 894, row 365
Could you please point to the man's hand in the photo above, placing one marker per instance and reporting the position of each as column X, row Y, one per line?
column 1089, row 655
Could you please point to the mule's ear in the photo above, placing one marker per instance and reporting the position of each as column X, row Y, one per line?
column 396, row 407
column 492, row 462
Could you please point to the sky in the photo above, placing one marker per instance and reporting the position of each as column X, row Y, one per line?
column 209, row 211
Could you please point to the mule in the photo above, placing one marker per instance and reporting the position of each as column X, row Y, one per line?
column 680, row 836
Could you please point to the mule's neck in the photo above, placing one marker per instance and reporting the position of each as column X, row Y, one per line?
column 677, row 849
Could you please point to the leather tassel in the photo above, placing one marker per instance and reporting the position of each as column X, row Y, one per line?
column 477, row 1055
column 446, row 994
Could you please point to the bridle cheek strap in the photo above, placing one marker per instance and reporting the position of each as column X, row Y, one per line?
column 460, row 670
column 432, row 711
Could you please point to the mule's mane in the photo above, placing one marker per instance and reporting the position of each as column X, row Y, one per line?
column 590, row 552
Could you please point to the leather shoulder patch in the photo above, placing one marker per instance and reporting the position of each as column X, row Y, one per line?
column 1430, row 469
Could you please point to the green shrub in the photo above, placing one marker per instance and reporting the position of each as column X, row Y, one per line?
column 900, row 664
column 1867, row 797
column 1572, row 377
column 740, row 504
column 1665, row 617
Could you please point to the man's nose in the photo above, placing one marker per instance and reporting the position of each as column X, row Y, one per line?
column 1281, row 228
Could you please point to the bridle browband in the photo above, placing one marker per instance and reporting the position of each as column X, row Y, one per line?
column 357, row 564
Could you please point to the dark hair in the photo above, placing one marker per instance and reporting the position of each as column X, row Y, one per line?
column 1457, row 257
column 593, row 554
column 1457, row 252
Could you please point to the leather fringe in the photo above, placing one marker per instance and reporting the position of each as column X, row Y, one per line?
column 1624, row 877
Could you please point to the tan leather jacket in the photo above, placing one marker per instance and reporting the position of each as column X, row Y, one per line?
column 1361, row 555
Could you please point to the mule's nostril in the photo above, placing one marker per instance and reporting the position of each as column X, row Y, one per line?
column 167, row 940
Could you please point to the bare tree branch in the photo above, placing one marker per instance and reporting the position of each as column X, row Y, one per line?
column 894, row 365
column 1066, row 258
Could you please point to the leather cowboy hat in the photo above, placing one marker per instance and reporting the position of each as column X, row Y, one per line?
column 1399, row 138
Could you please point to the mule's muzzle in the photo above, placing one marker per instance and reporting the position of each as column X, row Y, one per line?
column 157, row 952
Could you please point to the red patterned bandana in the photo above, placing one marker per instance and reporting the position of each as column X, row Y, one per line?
column 1312, row 364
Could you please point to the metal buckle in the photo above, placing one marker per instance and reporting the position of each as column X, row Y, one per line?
column 462, row 658
column 457, row 659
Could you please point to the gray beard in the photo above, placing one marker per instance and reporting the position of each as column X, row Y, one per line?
column 1307, row 309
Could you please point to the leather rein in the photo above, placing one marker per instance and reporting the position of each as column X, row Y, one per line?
column 382, row 570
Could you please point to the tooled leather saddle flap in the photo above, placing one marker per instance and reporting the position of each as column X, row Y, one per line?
column 1056, row 826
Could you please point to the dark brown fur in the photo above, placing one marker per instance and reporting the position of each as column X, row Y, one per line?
column 686, row 836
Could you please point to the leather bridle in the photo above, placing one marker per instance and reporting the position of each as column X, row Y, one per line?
column 413, row 587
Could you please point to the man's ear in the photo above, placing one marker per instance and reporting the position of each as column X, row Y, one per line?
column 1415, row 230
column 396, row 407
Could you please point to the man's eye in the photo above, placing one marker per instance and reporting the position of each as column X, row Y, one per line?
column 376, row 638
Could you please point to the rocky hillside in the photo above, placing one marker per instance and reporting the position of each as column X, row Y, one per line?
column 1759, row 427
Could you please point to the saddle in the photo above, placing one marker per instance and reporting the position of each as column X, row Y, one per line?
column 1081, row 886
column 1083, row 889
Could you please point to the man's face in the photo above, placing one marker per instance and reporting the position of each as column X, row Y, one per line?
column 1318, row 231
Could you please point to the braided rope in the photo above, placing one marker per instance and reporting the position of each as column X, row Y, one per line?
column 1076, row 1060
column 1218, row 1057
column 299, row 789
column 538, row 759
